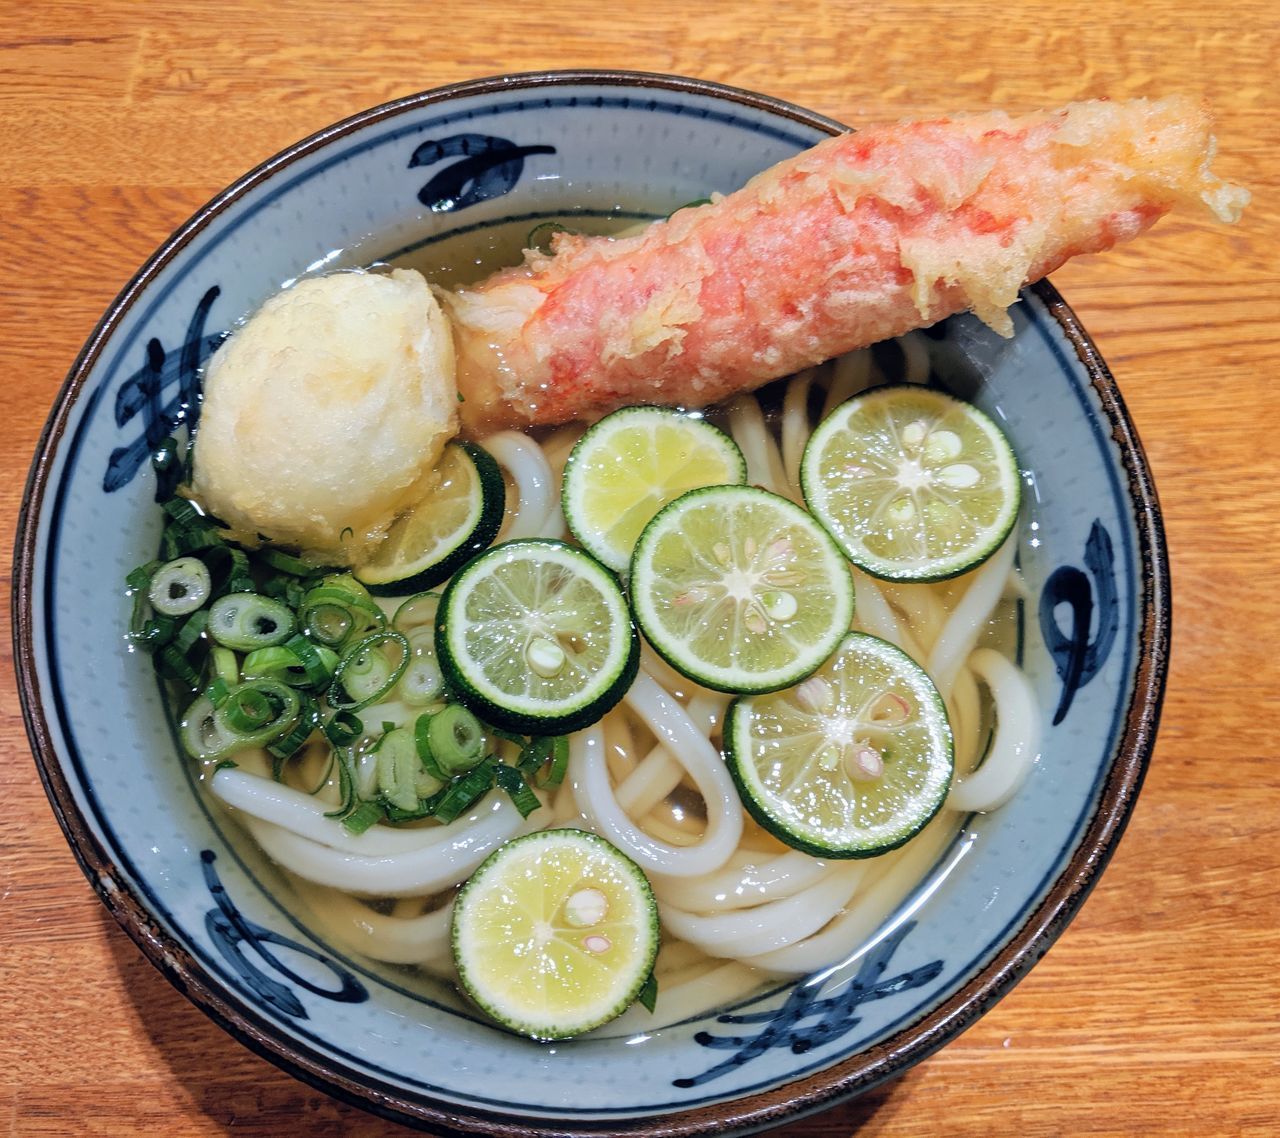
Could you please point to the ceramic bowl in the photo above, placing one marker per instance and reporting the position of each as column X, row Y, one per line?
column 402, row 180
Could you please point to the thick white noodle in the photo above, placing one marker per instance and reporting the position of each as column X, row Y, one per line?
column 1016, row 738
column 393, row 940
column 747, row 880
column 707, row 988
column 921, row 605
column 894, row 875
column 536, row 500
column 964, row 709
column 764, row 463
column 796, row 427
column 707, row 709
column 874, row 613
column 773, row 925
column 850, row 374
column 301, row 814
column 463, row 845
column 674, row 729
column 916, row 350
column 967, row 619
column 652, row 779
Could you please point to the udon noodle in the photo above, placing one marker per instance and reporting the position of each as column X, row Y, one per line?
column 736, row 905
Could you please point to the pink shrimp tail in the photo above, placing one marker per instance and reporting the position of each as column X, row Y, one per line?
column 864, row 237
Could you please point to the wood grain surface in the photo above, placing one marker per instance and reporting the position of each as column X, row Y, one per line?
column 1159, row 1010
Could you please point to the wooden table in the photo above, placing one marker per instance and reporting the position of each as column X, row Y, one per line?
column 1157, row 1013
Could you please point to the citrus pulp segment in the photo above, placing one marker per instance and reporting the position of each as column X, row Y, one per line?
column 631, row 464
column 739, row 589
column 914, row 484
column 555, row 933
column 852, row 762
column 460, row 516
column 536, row 637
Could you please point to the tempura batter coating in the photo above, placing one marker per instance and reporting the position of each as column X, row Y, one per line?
column 864, row 237
column 325, row 414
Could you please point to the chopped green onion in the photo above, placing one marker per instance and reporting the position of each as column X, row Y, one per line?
column 184, row 512
column 343, row 729
column 365, row 673
column 363, row 816
column 338, row 610
column 140, row 578
column 179, row 587
column 191, row 630
column 328, row 770
column 211, row 732
column 229, row 570
column 346, row 784
column 418, row 611
column 518, row 790
column 465, row 792
column 540, row 235
column 247, row 709
column 278, row 662
column 552, row 755
column 225, row 665
column 455, row 739
column 293, row 742
column 689, row 205
column 217, row 691
column 326, row 623
column 318, row 662
column 400, row 771
column 287, row 563
column 422, row 739
column 174, row 665
column 423, row 681
column 647, row 997
column 245, row 621
column 151, row 633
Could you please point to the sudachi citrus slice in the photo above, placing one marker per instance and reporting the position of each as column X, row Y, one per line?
column 739, row 589
column 458, row 519
column 913, row 484
column 534, row 635
column 631, row 464
column 555, row 933
column 852, row 762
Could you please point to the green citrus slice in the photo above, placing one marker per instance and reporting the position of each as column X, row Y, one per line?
column 460, row 517
column 914, row 484
column 739, row 589
column 852, row 762
column 555, row 933
column 631, row 464
column 535, row 636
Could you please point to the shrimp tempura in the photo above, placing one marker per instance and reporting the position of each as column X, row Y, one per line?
column 864, row 237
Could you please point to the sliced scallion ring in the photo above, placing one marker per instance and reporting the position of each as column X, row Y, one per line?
column 417, row 611
column 423, row 681
column 456, row 740
column 209, row 733
column 338, row 610
column 179, row 587
column 369, row 669
column 245, row 621
column 402, row 779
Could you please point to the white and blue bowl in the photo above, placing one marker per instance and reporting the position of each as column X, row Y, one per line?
column 406, row 177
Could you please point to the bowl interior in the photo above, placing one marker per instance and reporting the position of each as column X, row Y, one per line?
column 429, row 181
